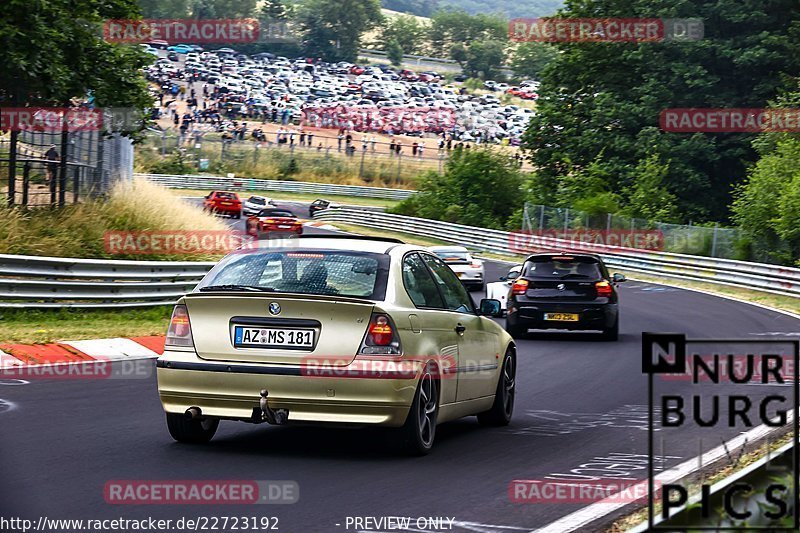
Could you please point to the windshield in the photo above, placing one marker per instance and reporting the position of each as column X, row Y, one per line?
column 354, row 274
column 452, row 256
column 275, row 213
column 257, row 200
column 563, row 269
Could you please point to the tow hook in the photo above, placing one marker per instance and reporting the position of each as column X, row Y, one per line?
column 277, row 416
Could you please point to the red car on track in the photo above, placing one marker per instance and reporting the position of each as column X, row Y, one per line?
column 272, row 220
column 224, row 203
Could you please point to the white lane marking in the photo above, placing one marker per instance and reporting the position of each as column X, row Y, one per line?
column 14, row 382
column 7, row 360
column 592, row 512
column 6, row 406
column 112, row 349
column 595, row 511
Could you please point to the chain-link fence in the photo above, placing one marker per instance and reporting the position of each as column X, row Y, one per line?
column 54, row 168
column 618, row 230
column 281, row 156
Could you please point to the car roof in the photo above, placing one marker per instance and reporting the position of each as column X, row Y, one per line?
column 448, row 249
column 565, row 253
column 354, row 243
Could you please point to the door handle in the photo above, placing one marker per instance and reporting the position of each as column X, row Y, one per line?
column 460, row 329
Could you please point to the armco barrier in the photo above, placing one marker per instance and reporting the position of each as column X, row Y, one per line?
column 769, row 278
column 189, row 181
column 45, row 282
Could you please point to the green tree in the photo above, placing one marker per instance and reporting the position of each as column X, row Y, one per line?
column 529, row 59
column 275, row 10
column 407, row 31
column 479, row 188
column 53, row 54
column 457, row 27
column 159, row 9
column 648, row 197
column 481, row 58
column 603, row 100
column 394, row 52
column 209, row 9
column 332, row 29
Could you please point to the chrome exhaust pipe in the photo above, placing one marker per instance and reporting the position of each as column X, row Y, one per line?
column 193, row 413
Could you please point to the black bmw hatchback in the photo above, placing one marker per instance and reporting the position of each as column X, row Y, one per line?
column 571, row 291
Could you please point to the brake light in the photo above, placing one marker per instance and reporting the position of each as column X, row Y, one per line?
column 381, row 336
column 520, row 286
column 268, row 221
column 180, row 330
column 476, row 264
column 604, row 289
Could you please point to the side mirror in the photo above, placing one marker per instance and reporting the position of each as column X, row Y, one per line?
column 491, row 308
column 618, row 278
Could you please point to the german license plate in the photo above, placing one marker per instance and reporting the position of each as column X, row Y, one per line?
column 253, row 337
column 561, row 317
column 284, row 226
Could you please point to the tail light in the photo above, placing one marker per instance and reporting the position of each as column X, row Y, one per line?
column 269, row 221
column 381, row 336
column 520, row 286
column 180, row 330
column 476, row 264
column 604, row 289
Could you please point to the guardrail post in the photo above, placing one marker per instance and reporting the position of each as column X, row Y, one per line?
column 12, row 167
column 76, row 183
column 26, row 176
column 714, row 241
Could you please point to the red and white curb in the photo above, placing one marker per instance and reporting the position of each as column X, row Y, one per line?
column 320, row 224
column 84, row 351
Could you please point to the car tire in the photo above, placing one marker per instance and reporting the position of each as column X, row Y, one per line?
column 612, row 333
column 419, row 429
column 184, row 429
column 503, row 407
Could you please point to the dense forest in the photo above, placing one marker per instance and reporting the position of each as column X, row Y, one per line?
column 509, row 8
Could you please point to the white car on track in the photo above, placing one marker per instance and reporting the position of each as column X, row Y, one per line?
column 498, row 290
column 254, row 205
column 468, row 269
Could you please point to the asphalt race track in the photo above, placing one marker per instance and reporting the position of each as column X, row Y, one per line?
column 578, row 399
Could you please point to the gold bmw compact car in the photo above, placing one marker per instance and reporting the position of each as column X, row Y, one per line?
column 343, row 329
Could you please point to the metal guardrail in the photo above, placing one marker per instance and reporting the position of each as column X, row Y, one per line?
column 759, row 276
column 51, row 282
column 191, row 181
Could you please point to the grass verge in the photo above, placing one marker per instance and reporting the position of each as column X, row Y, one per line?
column 297, row 197
column 44, row 326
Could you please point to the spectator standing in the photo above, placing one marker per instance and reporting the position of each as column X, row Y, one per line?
column 52, row 168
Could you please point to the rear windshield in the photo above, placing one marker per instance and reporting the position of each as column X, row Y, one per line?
column 259, row 201
column 226, row 195
column 577, row 268
column 275, row 213
column 452, row 256
column 324, row 272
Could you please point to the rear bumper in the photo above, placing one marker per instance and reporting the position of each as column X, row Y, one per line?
column 590, row 316
column 227, row 209
column 232, row 390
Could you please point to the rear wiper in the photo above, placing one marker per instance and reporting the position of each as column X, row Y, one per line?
column 251, row 288
column 565, row 276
